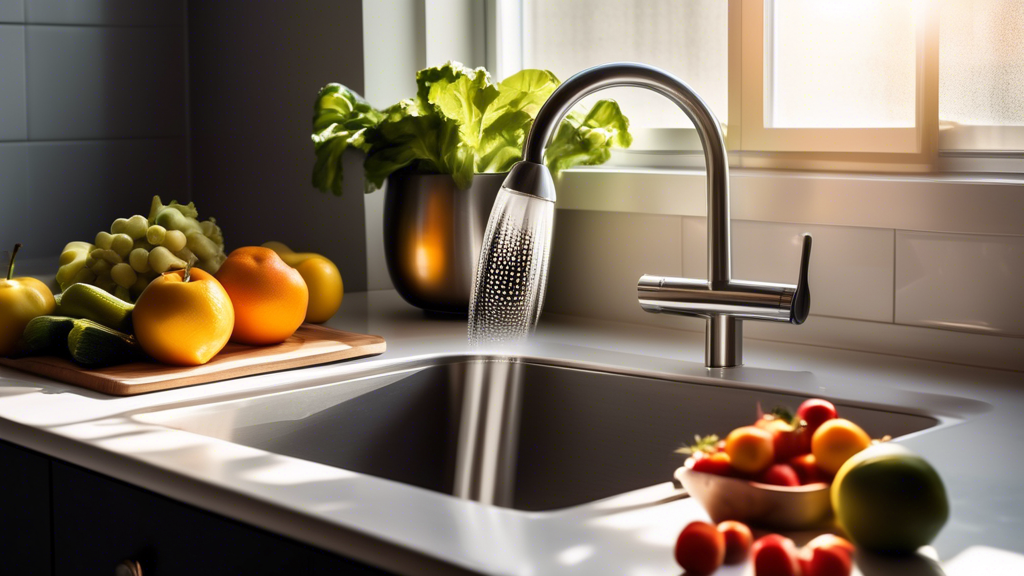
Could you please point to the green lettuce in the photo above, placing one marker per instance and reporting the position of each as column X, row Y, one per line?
column 340, row 119
column 459, row 123
column 587, row 139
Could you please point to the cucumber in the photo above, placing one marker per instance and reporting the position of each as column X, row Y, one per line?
column 94, row 303
column 94, row 345
column 46, row 335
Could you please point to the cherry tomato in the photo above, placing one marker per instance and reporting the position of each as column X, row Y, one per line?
column 738, row 539
column 700, row 549
column 750, row 449
column 775, row 555
column 716, row 463
column 779, row 475
column 815, row 412
column 827, row 555
column 831, row 541
column 832, row 561
column 835, row 441
column 807, row 470
column 788, row 441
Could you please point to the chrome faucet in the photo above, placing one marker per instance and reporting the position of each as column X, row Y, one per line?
column 722, row 301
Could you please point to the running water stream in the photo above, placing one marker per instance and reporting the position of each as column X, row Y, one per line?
column 508, row 288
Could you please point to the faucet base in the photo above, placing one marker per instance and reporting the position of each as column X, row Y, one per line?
column 723, row 343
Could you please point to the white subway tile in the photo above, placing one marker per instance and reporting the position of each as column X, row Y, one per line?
column 79, row 188
column 91, row 82
column 12, row 10
column 597, row 258
column 960, row 282
column 13, row 117
column 107, row 12
column 851, row 269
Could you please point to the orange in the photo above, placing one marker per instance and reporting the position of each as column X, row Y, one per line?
column 270, row 297
column 835, row 441
column 184, row 323
column 750, row 449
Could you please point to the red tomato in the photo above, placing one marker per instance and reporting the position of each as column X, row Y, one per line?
column 788, row 441
column 700, row 549
column 815, row 412
column 831, row 541
column 827, row 555
column 779, row 475
column 738, row 539
column 829, row 562
column 717, row 463
column 807, row 470
column 775, row 555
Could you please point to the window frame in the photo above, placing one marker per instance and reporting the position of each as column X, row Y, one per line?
column 752, row 35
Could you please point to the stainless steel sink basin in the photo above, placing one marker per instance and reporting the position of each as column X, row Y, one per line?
column 517, row 433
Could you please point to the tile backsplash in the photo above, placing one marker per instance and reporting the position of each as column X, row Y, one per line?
column 960, row 282
column 950, row 297
column 93, row 115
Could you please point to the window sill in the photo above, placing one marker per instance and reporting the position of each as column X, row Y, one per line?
column 957, row 203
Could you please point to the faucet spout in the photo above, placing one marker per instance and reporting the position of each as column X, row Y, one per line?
column 708, row 129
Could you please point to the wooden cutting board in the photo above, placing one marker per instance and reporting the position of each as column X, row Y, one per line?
column 311, row 344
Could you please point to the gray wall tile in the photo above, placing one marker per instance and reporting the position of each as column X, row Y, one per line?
column 255, row 69
column 12, row 83
column 78, row 188
column 89, row 82
column 597, row 258
column 12, row 10
column 107, row 12
column 14, row 210
column 960, row 282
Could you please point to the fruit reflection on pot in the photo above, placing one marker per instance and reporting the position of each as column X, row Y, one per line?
column 432, row 237
column 430, row 242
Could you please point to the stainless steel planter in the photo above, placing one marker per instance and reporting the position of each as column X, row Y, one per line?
column 432, row 237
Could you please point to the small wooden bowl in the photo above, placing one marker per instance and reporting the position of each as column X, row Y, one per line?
column 724, row 498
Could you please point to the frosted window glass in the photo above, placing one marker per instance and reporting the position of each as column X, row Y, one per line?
column 981, row 62
column 689, row 38
column 840, row 64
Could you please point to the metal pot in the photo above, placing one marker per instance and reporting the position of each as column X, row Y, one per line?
column 432, row 237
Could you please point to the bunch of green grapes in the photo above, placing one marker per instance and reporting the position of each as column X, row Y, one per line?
column 138, row 249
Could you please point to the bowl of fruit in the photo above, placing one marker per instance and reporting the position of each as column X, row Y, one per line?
column 776, row 472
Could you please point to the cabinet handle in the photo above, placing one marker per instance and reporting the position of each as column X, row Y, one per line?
column 128, row 568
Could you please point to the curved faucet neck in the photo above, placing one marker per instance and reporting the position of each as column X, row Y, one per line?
column 708, row 129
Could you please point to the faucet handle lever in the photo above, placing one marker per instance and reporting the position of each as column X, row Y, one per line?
column 802, row 297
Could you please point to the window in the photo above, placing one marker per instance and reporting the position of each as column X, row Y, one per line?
column 981, row 75
column 872, row 84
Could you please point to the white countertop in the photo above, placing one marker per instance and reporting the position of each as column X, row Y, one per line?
column 415, row 531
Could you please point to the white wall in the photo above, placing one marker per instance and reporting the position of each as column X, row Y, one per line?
column 401, row 37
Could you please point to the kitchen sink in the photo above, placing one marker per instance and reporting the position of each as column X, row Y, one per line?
column 512, row 432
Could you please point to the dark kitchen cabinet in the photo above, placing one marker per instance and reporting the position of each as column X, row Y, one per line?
column 57, row 519
column 24, row 512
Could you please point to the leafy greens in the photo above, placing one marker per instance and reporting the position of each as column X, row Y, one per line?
column 459, row 123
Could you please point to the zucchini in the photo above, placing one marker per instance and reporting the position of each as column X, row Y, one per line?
column 94, row 345
column 46, row 335
column 94, row 303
